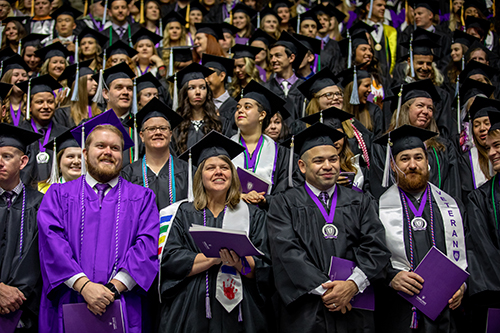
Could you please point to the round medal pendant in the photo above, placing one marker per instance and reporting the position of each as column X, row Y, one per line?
column 330, row 231
column 418, row 223
column 378, row 47
column 42, row 157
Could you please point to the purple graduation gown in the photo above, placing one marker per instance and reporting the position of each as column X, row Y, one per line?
column 61, row 254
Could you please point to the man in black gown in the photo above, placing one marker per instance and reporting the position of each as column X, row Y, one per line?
column 416, row 215
column 20, row 278
column 305, row 237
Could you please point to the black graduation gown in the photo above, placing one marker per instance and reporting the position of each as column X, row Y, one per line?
column 43, row 168
column 134, row 27
column 466, row 179
column 377, row 119
column 384, row 61
column 194, row 135
column 128, row 155
column 392, row 312
column 331, row 57
column 23, row 274
column 215, row 14
column 227, row 110
column 294, row 100
column 160, row 183
column 447, row 179
column 183, row 297
column 301, row 257
column 62, row 116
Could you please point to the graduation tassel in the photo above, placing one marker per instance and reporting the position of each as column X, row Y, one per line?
column 411, row 57
column 104, row 59
column 371, row 10
column 170, row 63
column 240, row 315
column 190, row 181
column 161, row 32
column 349, row 50
column 304, row 107
column 298, row 24
column 1, row 68
column 85, row 8
column 141, row 18
column 175, row 103
column 258, row 20
column 28, row 103
column 19, row 46
column 321, row 116
column 414, row 21
column 104, row 15
column 83, row 167
column 400, row 99
column 354, row 95
column 385, row 179
column 134, row 99
column 290, row 163
column 32, row 8
column 136, row 140
column 188, row 9
column 463, row 62
column 459, row 117
column 98, row 98
column 414, row 318
column 54, row 172
column 462, row 17
column 74, row 97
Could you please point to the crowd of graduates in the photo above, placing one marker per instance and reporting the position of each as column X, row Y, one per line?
column 352, row 111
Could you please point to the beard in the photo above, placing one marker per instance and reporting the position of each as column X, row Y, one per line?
column 103, row 174
column 412, row 181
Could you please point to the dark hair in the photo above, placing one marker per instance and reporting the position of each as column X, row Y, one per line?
column 218, row 72
column 288, row 52
column 211, row 119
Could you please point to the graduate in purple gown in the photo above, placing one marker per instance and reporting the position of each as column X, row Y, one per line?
column 98, row 234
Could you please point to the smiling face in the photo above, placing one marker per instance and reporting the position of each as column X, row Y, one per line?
column 70, row 165
column 197, row 92
column 42, row 107
column 423, row 66
column 456, row 52
column 156, row 133
column 119, row 95
column 119, row 11
column 378, row 9
column 31, row 59
column 321, row 166
column 279, row 59
column 18, row 75
column 201, row 40
column 479, row 56
column 421, row 112
column 364, row 53
column 240, row 20
column 364, row 89
column 247, row 115
column 4, row 9
column 480, row 127
column 11, row 31
column 423, row 17
column 56, row 67
column 412, row 170
column 493, row 149
column 103, row 154
column 330, row 96
column 216, row 176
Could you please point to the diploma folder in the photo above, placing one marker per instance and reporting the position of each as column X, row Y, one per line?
column 493, row 323
column 211, row 240
column 78, row 319
column 9, row 322
column 252, row 182
column 341, row 269
column 442, row 278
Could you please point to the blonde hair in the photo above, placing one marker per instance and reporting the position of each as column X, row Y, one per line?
column 130, row 63
column 437, row 77
column 252, row 74
column 45, row 69
column 200, row 195
column 167, row 44
column 362, row 115
column 79, row 109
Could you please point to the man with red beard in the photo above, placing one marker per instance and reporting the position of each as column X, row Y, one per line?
column 417, row 216
column 98, row 234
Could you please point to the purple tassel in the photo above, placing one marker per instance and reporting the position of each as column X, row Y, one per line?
column 414, row 322
column 208, row 311
column 246, row 266
column 315, row 65
column 240, row 316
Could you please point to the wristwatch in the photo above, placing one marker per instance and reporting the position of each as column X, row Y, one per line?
column 113, row 289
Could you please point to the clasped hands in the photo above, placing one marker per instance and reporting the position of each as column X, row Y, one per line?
column 96, row 295
column 338, row 295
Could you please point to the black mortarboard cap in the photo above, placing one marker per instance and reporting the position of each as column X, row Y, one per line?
column 406, row 137
column 17, row 137
column 173, row 16
column 156, row 108
column 106, row 118
column 431, row 5
column 330, row 11
column 241, row 8
column 120, row 71
column 15, row 62
column 223, row 64
column 231, row 29
column 66, row 9
column 44, row 83
column 481, row 106
column 462, row 38
column 423, row 42
column 262, row 36
column 333, row 117
column 470, row 88
column 268, row 11
column 63, row 141
column 147, row 80
column 421, row 88
column 309, row 15
column 322, row 79
column 33, row 40
column 194, row 5
column 494, row 120
column 347, row 75
column 476, row 22
column 292, row 44
column 210, row 29
column 53, row 50
column 474, row 67
column 358, row 27
column 312, row 44
column 20, row 19
column 87, row 32
column 119, row 47
column 281, row 3
column 212, row 144
column 183, row 54
column 70, row 71
column 479, row 5
column 192, row 72
column 478, row 45
column 356, row 40
column 6, row 53
column 271, row 102
column 243, row 51
column 110, row 2
column 5, row 89
column 316, row 135
column 144, row 33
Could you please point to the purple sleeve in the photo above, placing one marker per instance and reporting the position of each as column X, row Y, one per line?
column 141, row 259
column 57, row 260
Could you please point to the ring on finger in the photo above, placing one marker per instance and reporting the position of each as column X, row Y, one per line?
column 227, row 262
column 334, row 306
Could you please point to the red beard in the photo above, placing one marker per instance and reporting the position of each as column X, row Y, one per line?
column 413, row 181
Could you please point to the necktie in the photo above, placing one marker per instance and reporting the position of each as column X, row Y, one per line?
column 42, row 131
column 121, row 31
column 8, row 195
column 323, row 196
column 101, row 188
column 285, row 87
column 376, row 26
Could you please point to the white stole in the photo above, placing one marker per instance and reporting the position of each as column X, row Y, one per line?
column 391, row 215
column 359, row 178
column 478, row 176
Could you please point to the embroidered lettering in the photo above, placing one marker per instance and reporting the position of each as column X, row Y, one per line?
column 453, row 223
column 454, row 234
column 455, row 244
column 447, row 204
column 442, row 198
column 450, row 213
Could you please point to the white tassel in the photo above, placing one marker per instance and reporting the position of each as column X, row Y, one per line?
column 304, row 107
column 171, row 63
column 385, row 179
column 354, row 95
column 298, row 24
column 74, row 97
column 28, row 103
column 54, row 172
column 371, row 10
column 258, row 20
column 104, row 59
column 290, row 163
column 400, row 100
column 321, row 116
column 175, row 103
column 134, row 99
column 349, row 50
column 136, row 140
column 161, row 32
column 19, row 46
column 105, row 14
column 98, row 98
column 411, row 57
column 83, row 168
column 190, row 178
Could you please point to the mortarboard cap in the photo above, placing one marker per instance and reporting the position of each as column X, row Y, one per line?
column 228, row 28
column 330, row 11
column 192, row 72
column 44, row 83
column 474, row 67
column 173, row 16
column 223, row 64
column 66, row 9
column 312, row 44
column 332, row 117
column 262, row 36
column 322, row 79
column 476, row 22
column 358, row 27
column 461, row 37
column 316, row 135
column 53, row 50
column 280, row 4
column 183, row 54
column 119, row 47
column 17, row 137
column 20, row 19
column 405, row 137
column 194, row 6
column 87, row 32
column 212, row 144
column 474, row 4
column 478, row 45
column 241, row 8
column 481, row 106
column 63, row 141
column 5, row 89
column 110, row 2
column 423, row 42
column 156, row 108
column 494, row 120
column 347, row 75
column 356, row 40
column 431, row 5
column 291, row 43
column 144, row 33
column 120, row 71
column 14, row 62
column 69, row 73
column 243, row 51
column 421, row 88
column 471, row 88
column 268, row 11
column 33, row 40
column 210, row 29
column 271, row 102
column 6, row 53
column 296, row 21
column 147, row 80
column 106, row 118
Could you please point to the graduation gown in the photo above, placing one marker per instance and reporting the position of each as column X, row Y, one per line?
column 183, row 297
column 65, row 252
column 160, row 184
column 294, row 100
column 23, row 273
column 301, row 257
column 331, row 57
column 467, row 175
column 113, row 36
column 227, row 110
column 194, row 135
column 62, row 116
column 392, row 312
column 444, row 170
column 34, row 148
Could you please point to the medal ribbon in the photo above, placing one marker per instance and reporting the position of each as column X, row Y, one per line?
column 145, row 71
column 90, row 111
column 328, row 217
column 16, row 118
column 252, row 161
column 46, row 137
column 422, row 203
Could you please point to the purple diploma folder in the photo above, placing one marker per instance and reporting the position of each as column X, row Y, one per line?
column 78, row 319
column 442, row 279
column 211, row 240
column 493, row 324
column 8, row 323
column 341, row 269
column 251, row 182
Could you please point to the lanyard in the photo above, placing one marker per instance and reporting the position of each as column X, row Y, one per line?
column 328, row 217
column 253, row 161
column 46, row 136
column 145, row 71
column 422, row 204
column 16, row 115
column 90, row 111
column 171, row 178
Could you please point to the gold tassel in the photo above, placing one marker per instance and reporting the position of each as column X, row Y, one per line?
column 494, row 9
column 188, row 9
column 231, row 17
column 406, row 12
column 32, row 8
column 141, row 20
column 462, row 16
column 85, row 8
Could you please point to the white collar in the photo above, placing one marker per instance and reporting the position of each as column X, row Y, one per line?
column 222, row 98
column 317, row 191
column 92, row 182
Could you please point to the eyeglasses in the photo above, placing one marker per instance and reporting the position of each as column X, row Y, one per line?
column 153, row 129
column 332, row 95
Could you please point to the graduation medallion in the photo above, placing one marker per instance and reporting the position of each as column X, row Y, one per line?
column 418, row 223
column 378, row 47
column 330, row 231
column 42, row 157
